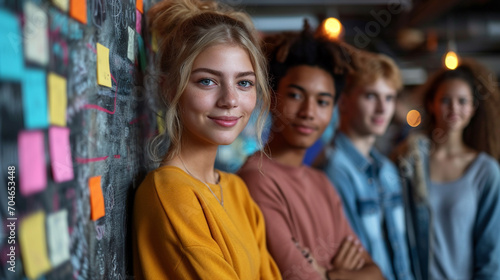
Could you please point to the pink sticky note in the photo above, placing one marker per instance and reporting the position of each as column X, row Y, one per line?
column 138, row 18
column 60, row 154
column 31, row 152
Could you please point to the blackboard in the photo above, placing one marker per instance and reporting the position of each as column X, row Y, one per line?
column 109, row 128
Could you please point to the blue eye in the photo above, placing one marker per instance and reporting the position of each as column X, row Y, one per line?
column 206, row 82
column 245, row 83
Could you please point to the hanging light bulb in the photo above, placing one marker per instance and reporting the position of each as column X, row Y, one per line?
column 451, row 60
column 332, row 28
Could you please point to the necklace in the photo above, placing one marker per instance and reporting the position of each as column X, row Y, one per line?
column 221, row 201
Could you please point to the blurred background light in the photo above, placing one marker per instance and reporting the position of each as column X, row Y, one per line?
column 413, row 118
column 451, row 60
column 332, row 27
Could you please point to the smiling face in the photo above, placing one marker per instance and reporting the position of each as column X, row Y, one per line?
column 304, row 106
column 367, row 110
column 220, row 96
column 453, row 105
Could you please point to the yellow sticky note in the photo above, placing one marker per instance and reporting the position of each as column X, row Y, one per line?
column 160, row 122
column 154, row 42
column 97, row 209
column 103, row 74
column 36, row 40
column 62, row 4
column 58, row 100
column 33, row 245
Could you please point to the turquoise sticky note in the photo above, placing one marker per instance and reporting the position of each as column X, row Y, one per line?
column 11, row 47
column 142, row 52
column 35, row 99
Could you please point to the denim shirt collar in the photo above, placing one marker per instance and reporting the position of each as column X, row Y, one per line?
column 342, row 142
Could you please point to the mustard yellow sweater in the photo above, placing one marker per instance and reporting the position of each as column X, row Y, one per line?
column 180, row 231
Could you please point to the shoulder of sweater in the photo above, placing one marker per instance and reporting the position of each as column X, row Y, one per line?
column 489, row 166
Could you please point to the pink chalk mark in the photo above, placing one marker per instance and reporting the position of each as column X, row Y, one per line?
column 136, row 120
column 55, row 202
column 87, row 160
column 65, row 50
column 93, row 106
column 91, row 48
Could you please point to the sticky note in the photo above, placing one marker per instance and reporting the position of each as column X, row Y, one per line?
column 61, row 4
column 154, row 42
column 58, row 99
column 131, row 42
column 60, row 154
column 161, row 123
column 11, row 47
column 138, row 21
column 78, row 10
column 36, row 42
column 33, row 245
column 31, row 153
column 142, row 52
column 35, row 99
column 103, row 74
column 96, row 198
column 139, row 5
column 58, row 237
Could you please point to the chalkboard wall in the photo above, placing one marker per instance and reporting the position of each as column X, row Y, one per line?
column 108, row 131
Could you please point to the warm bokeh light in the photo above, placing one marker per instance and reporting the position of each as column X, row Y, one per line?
column 451, row 60
column 332, row 27
column 413, row 118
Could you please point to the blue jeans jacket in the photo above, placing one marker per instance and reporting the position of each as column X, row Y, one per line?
column 413, row 162
column 371, row 194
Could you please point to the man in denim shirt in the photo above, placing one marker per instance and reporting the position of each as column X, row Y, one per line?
column 366, row 180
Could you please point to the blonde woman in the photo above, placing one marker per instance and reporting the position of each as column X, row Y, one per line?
column 190, row 220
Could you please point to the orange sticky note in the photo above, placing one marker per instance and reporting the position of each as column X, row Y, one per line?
column 139, row 6
column 33, row 245
column 103, row 74
column 58, row 99
column 96, row 198
column 78, row 10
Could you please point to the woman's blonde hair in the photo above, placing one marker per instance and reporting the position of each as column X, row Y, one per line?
column 184, row 29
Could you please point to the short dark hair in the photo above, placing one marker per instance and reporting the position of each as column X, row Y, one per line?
column 287, row 50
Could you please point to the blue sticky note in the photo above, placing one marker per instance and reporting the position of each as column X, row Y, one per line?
column 11, row 47
column 35, row 99
column 142, row 53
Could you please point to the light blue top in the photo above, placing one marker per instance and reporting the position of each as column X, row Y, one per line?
column 447, row 244
column 454, row 207
column 371, row 195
